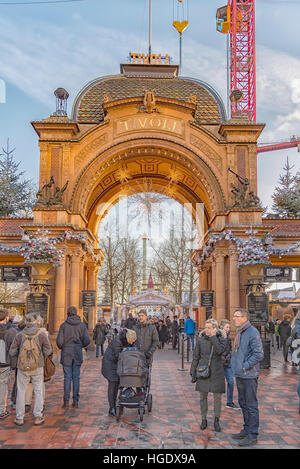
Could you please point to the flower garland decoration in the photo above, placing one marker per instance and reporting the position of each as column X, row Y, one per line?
column 39, row 247
column 251, row 250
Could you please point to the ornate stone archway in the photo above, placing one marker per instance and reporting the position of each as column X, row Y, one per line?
column 127, row 129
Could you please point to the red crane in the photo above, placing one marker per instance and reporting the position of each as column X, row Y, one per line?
column 291, row 143
column 237, row 19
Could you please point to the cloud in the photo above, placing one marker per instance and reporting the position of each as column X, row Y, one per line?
column 37, row 58
column 278, row 91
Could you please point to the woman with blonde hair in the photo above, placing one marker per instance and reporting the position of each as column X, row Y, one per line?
column 208, row 352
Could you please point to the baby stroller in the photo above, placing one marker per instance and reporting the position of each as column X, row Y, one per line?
column 134, row 372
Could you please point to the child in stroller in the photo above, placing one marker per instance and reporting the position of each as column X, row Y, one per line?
column 133, row 372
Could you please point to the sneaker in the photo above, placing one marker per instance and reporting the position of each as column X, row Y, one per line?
column 65, row 405
column 75, row 405
column 248, row 441
column 3, row 415
column 39, row 420
column 19, row 422
column 232, row 405
column 239, row 436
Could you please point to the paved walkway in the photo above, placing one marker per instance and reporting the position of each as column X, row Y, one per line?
column 174, row 421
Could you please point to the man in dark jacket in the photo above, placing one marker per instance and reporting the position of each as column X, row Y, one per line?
column 246, row 355
column 130, row 322
column 284, row 330
column 7, row 334
column 147, row 336
column 72, row 337
column 99, row 334
column 175, row 331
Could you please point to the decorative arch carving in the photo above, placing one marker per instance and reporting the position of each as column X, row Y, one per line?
column 149, row 154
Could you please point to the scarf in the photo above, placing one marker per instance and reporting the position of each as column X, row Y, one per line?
column 239, row 331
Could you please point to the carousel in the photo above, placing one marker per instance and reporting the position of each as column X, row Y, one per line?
column 154, row 302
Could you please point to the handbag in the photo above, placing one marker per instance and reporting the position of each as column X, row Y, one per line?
column 49, row 367
column 203, row 371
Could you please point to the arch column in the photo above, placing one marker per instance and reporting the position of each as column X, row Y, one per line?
column 202, row 286
column 75, row 279
column 60, row 295
column 234, row 281
column 220, row 285
column 92, row 273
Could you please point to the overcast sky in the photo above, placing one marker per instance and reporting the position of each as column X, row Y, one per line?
column 43, row 47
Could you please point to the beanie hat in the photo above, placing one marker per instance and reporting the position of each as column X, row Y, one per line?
column 130, row 336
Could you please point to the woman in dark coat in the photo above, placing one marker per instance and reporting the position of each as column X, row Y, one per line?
column 109, row 368
column 99, row 334
column 163, row 333
column 210, row 337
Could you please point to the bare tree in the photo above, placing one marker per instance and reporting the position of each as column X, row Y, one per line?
column 171, row 266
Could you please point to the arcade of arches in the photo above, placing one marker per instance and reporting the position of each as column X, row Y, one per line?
column 141, row 126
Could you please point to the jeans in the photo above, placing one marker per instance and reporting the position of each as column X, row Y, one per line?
column 97, row 350
column 278, row 341
column 230, row 383
column 272, row 338
column 23, row 379
column 247, row 397
column 4, row 380
column 190, row 338
column 204, row 405
column 71, row 373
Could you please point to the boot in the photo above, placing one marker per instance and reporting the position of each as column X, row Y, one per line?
column 203, row 424
column 217, row 424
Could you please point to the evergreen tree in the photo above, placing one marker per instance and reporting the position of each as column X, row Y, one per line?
column 16, row 193
column 286, row 196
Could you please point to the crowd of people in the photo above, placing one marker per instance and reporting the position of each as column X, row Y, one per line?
column 25, row 345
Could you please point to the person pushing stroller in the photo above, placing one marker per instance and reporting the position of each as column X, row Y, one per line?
column 132, row 367
column 134, row 372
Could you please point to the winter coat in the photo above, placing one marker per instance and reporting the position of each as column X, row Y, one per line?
column 41, row 339
column 147, row 339
column 99, row 334
column 163, row 333
column 284, row 330
column 175, row 327
column 248, row 355
column 295, row 333
column 72, row 337
column 7, row 333
column 189, row 326
column 226, row 356
column 132, row 367
column 110, row 359
column 129, row 323
column 216, row 381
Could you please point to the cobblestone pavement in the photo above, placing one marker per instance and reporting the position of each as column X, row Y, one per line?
column 173, row 422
